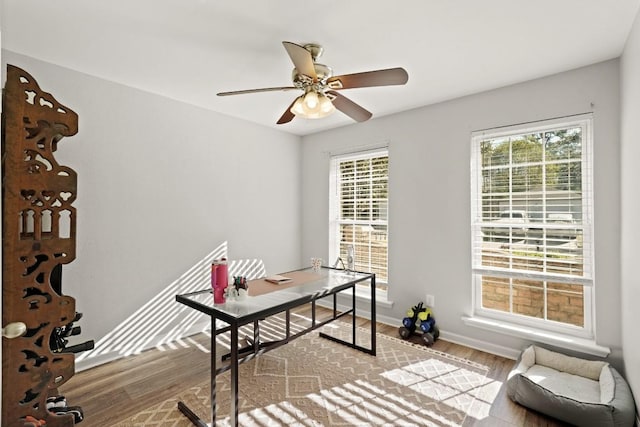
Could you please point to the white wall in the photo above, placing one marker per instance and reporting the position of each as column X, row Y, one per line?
column 630, row 232
column 160, row 185
column 429, row 190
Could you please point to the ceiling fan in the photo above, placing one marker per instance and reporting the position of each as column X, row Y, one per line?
column 320, row 86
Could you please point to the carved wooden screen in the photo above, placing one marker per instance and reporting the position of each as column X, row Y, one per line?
column 39, row 235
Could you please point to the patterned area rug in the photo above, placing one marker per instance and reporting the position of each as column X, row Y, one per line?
column 315, row 382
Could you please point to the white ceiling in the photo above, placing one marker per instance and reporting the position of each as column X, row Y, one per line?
column 191, row 49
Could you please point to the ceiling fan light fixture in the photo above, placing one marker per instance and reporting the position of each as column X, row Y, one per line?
column 326, row 106
column 311, row 101
column 312, row 105
column 296, row 108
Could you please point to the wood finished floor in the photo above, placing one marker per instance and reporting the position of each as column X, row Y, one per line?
column 116, row 391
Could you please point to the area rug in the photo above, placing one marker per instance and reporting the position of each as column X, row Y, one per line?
column 316, row 382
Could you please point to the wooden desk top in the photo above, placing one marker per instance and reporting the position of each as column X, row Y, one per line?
column 261, row 286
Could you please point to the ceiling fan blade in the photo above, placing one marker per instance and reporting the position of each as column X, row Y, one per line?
column 266, row 89
column 301, row 59
column 349, row 107
column 288, row 115
column 388, row 77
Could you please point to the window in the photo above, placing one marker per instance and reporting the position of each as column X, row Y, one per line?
column 532, row 233
column 358, row 210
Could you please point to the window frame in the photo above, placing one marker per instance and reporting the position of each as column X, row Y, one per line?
column 587, row 280
column 334, row 205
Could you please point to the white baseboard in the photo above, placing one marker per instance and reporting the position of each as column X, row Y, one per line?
column 83, row 365
column 487, row 347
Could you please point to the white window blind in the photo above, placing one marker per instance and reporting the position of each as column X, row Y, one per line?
column 532, row 229
column 359, row 209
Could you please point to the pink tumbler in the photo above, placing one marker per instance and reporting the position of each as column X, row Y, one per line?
column 219, row 280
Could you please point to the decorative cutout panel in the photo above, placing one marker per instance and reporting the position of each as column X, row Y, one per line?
column 39, row 235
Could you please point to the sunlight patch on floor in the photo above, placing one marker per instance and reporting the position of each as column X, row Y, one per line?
column 463, row 389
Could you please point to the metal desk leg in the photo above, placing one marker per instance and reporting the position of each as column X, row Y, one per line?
column 353, row 344
column 191, row 415
column 373, row 315
column 256, row 336
column 234, row 375
column 353, row 314
column 213, row 370
column 288, row 324
column 195, row 420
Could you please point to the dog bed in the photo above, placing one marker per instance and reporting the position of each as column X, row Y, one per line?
column 578, row 391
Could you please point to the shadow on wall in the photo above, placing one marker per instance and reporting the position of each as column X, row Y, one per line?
column 162, row 320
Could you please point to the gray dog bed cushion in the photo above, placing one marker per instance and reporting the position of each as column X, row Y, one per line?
column 578, row 391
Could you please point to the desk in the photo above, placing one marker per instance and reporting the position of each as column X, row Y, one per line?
column 266, row 300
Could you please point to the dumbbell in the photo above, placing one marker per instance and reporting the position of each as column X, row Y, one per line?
column 430, row 337
column 427, row 325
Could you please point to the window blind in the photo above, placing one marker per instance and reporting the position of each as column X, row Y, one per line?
column 359, row 210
